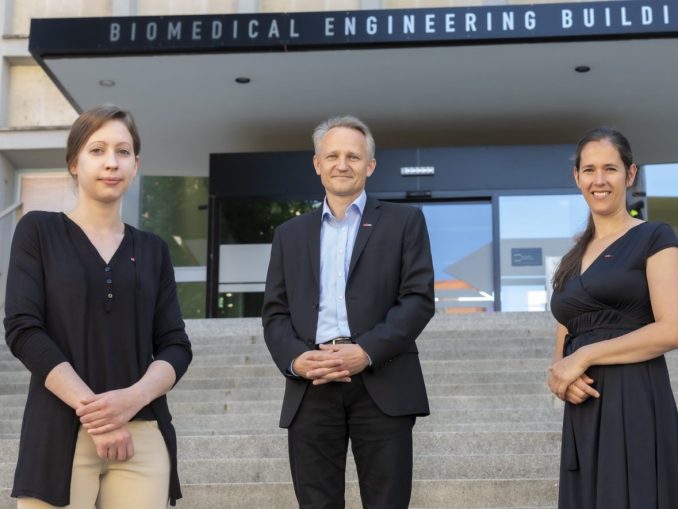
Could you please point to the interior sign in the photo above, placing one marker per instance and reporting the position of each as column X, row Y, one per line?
column 526, row 256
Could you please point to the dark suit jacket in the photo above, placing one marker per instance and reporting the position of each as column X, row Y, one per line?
column 389, row 300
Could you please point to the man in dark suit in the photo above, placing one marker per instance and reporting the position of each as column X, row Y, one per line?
column 349, row 289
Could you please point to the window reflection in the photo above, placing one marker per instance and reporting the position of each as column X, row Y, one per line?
column 535, row 231
column 245, row 234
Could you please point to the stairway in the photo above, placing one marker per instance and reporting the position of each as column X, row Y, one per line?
column 492, row 440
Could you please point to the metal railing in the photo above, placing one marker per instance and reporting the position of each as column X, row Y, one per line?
column 5, row 227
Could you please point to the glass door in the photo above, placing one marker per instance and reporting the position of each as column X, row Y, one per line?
column 461, row 246
column 245, row 234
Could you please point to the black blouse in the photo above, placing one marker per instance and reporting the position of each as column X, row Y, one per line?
column 110, row 316
column 57, row 310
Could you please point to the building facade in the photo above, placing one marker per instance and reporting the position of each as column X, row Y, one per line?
column 497, row 92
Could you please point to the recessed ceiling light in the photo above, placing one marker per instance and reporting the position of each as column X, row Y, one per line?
column 107, row 83
column 242, row 80
column 582, row 68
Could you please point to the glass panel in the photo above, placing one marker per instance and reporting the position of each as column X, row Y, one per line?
column 461, row 246
column 661, row 184
column 535, row 231
column 170, row 207
column 661, row 179
column 245, row 235
column 192, row 299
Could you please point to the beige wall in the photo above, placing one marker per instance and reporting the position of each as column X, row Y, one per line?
column 24, row 10
column 162, row 7
column 307, row 5
column 34, row 100
column 56, row 192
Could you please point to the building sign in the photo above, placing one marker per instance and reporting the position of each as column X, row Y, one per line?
column 287, row 31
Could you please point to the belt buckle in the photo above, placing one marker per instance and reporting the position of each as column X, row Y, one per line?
column 339, row 341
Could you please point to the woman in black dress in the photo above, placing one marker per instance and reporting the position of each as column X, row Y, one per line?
column 92, row 312
column 616, row 302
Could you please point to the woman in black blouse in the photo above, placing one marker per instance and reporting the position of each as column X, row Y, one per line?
column 92, row 312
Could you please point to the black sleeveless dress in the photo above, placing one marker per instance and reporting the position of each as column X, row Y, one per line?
column 619, row 451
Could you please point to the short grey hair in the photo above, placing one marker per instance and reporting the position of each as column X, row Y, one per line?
column 348, row 121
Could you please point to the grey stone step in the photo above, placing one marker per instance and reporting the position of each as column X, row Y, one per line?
column 458, row 342
column 274, row 445
column 463, row 389
column 437, row 420
column 468, row 392
column 251, row 470
column 524, row 466
column 450, row 377
column 512, row 401
column 246, row 355
column 218, row 366
column 492, row 442
column 426, row 494
column 525, row 426
column 427, row 337
column 232, row 377
column 440, row 322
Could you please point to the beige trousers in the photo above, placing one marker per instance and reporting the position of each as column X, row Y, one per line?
column 141, row 482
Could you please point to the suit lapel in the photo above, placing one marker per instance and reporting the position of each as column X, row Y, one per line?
column 367, row 223
column 314, row 243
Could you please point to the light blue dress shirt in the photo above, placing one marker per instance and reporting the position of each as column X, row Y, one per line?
column 337, row 239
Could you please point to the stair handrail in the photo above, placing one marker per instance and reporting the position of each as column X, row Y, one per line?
column 11, row 209
column 3, row 268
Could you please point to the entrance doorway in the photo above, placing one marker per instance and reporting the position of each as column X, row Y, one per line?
column 461, row 246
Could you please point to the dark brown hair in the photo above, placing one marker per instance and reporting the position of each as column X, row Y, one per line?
column 91, row 121
column 570, row 265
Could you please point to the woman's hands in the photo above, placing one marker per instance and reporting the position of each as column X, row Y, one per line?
column 108, row 411
column 114, row 445
column 568, row 380
column 101, row 413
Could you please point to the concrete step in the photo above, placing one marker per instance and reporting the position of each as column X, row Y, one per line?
column 274, row 445
column 450, row 494
column 247, row 355
column 473, row 397
column 523, row 466
column 459, row 403
column 226, row 339
column 269, row 376
column 439, row 419
column 492, row 441
column 526, row 426
column 426, row 494
column 440, row 467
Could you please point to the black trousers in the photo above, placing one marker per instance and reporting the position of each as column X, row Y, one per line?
column 318, row 439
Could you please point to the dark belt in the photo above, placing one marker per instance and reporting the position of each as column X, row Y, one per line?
column 341, row 340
